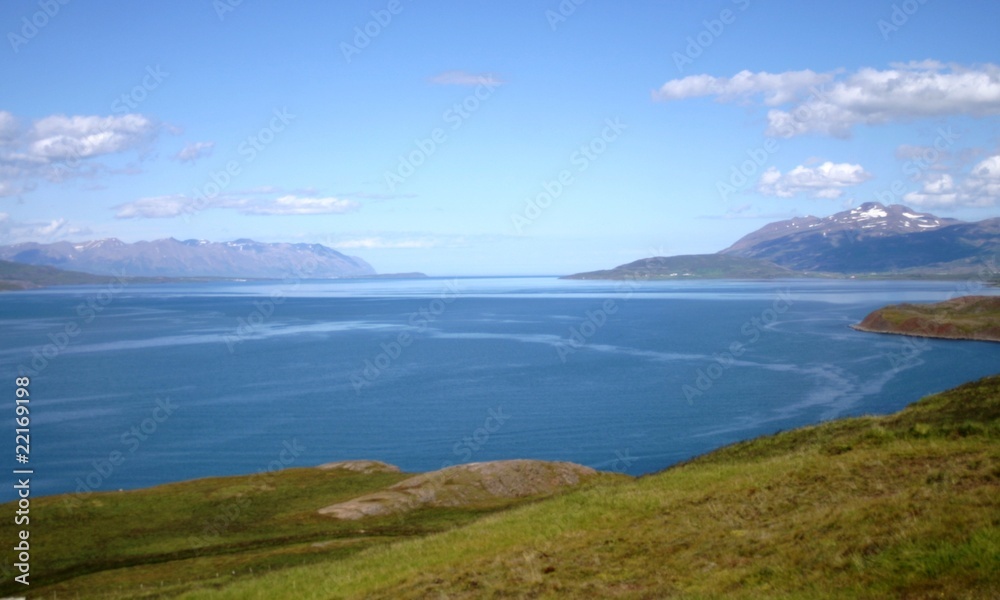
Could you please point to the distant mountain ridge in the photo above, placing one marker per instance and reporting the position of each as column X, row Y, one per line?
column 191, row 258
column 874, row 238
column 870, row 220
column 871, row 239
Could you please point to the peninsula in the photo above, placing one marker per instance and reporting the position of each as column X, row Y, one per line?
column 965, row 318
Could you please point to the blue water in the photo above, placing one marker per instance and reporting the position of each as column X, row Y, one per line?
column 147, row 384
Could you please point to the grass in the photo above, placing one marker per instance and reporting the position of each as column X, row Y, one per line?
column 708, row 266
column 905, row 506
column 19, row 276
column 209, row 532
column 16, row 276
column 968, row 317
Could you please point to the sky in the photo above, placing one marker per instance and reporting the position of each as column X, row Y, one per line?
column 490, row 138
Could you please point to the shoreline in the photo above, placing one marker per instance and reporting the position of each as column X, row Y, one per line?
column 963, row 338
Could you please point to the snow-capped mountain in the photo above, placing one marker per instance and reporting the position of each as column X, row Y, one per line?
column 869, row 219
column 873, row 238
column 191, row 258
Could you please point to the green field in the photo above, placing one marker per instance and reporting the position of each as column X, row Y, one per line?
column 904, row 506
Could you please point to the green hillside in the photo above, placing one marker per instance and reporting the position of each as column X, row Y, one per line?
column 17, row 276
column 702, row 266
column 903, row 506
column 968, row 318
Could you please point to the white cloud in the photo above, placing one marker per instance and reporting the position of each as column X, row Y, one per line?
column 466, row 78
column 8, row 189
column 263, row 189
column 827, row 180
column 985, row 177
column 195, row 150
column 176, row 205
column 919, row 65
column 50, row 229
column 8, row 128
column 59, row 147
column 777, row 88
column 939, row 191
column 980, row 188
column 12, row 231
column 156, row 207
column 61, row 138
column 909, row 152
column 834, row 103
column 293, row 205
column 378, row 242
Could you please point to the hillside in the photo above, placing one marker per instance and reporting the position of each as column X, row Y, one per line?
column 873, row 238
column 904, row 506
column 191, row 258
column 704, row 266
column 212, row 532
column 870, row 220
column 870, row 240
column 16, row 276
column 965, row 318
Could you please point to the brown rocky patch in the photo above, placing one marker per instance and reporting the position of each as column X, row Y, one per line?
column 473, row 484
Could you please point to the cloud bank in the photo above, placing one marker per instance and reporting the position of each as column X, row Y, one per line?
column 827, row 180
column 835, row 103
column 59, row 147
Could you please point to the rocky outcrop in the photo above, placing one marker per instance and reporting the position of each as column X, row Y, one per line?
column 474, row 484
column 360, row 466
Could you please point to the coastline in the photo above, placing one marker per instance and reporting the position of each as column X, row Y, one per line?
column 971, row 318
column 965, row 338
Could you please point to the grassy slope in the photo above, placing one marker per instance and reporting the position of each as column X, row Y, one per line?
column 15, row 276
column 906, row 505
column 211, row 532
column 709, row 266
column 901, row 506
column 968, row 317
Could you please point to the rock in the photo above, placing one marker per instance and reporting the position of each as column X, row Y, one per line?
column 473, row 484
column 360, row 466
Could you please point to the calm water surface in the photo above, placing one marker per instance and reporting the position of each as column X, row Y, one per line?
column 174, row 382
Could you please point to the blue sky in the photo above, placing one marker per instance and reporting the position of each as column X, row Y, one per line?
column 474, row 137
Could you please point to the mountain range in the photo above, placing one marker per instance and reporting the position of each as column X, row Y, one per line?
column 191, row 258
column 872, row 239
